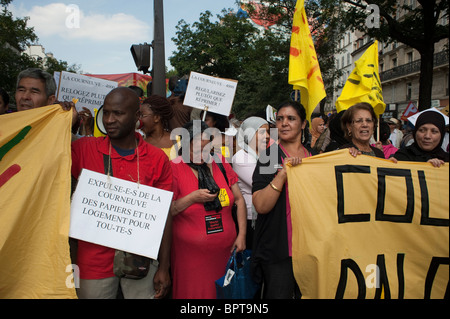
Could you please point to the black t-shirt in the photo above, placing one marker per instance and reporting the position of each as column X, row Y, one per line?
column 270, row 241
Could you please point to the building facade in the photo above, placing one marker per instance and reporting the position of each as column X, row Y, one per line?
column 400, row 71
column 399, row 67
column 37, row 52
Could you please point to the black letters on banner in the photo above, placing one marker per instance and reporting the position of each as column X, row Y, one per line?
column 425, row 218
column 380, row 215
column 434, row 266
column 401, row 275
column 339, row 171
column 383, row 279
column 351, row 264
column 407, row 217
column 384, row 282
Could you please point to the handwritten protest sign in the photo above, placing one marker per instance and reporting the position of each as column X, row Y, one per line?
column 89, row 91
column 119, row 214
column 213, row 94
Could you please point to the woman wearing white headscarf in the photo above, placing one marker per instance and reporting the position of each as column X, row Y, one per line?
column 253, row 137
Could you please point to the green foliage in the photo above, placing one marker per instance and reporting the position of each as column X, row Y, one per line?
column 15, row 31
column 233, row 47
column 15, row 36
column 213, row 48
column 417, row 28
column 52, row 65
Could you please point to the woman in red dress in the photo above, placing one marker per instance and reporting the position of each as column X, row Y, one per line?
column 204, row 233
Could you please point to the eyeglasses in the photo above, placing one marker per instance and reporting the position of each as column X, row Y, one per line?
column 145, row 115
column 361, row 121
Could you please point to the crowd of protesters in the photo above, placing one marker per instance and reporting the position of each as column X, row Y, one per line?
column 253, row 208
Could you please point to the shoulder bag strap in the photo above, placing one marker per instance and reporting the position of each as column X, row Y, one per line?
column 107, row 164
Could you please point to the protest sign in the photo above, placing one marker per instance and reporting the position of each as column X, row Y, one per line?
column 368, row 228
column 210, row 93
column 119, row 214
column 89, row 91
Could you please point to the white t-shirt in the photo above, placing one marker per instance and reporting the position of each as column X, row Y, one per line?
column 396, row 138
column 244, row 165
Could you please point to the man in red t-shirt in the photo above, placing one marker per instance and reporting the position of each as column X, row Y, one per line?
column 134, row 160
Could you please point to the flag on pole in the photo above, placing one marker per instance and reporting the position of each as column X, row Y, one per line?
column 363, row 84
column 35, row 189
column 304, row 70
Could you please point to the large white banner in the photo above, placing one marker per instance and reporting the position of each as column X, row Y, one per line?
column 115, row 213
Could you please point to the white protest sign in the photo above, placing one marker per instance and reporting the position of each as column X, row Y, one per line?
column 119, row 214
column 213, row 94
column 89, row 91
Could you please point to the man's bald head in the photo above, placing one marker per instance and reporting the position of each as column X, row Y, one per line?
column 126, row 97
column 121, row 113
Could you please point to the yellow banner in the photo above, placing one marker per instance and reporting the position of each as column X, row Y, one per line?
column 368, row 228
column 35, row 179
column 304, row 69
column 363, row 84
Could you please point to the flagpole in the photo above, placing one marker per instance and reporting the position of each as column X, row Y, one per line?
column 378, row 128
column 205, row 110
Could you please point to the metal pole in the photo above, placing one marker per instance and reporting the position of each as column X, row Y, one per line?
column 159, row 58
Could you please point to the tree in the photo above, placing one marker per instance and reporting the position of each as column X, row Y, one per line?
column 418, row 28
column 213, row 48
column 326, row 33
column 52, row 65
column 15, row 36
column 233, row 48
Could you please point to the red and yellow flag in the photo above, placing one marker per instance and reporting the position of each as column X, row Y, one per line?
column 35, row 188
column 363, row 84
column 304, row 70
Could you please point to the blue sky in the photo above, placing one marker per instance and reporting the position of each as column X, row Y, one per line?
column 107, row 29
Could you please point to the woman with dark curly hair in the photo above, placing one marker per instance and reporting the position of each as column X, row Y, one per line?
column 156, row 112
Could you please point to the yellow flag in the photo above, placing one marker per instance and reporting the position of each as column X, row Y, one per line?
column 304, row 70
column 375, row 229
column 35, row 161
column 363, row 84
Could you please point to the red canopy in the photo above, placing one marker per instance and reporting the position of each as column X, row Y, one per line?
column 127, row 79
